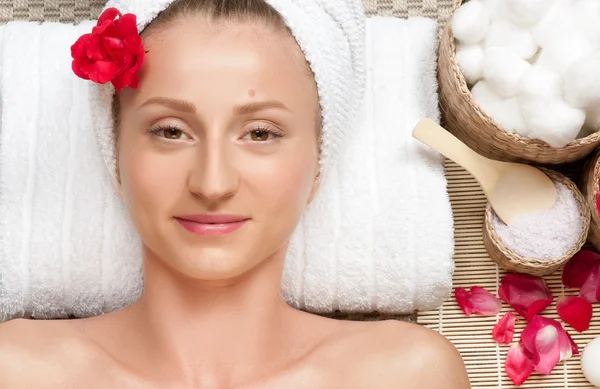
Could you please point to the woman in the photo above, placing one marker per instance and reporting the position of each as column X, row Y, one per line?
column 218, row 152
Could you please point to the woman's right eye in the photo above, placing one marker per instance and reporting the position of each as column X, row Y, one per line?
column 171, row 133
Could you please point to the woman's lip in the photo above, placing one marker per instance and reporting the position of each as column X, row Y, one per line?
column 211, row 229
column 213, row 218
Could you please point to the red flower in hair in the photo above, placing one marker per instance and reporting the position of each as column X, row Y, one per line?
column 113, row 51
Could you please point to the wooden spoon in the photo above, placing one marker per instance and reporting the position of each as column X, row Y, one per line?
column 513, row 189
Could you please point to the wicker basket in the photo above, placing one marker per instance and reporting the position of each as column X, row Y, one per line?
column 467, row 121
column 511, row 261
column 590, row 185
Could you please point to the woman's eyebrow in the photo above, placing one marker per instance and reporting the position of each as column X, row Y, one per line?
column 188, row 107
column 178, row 105
column 246, row 109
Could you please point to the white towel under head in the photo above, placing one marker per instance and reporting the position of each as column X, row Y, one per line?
column 384, row 240
column 379, row 236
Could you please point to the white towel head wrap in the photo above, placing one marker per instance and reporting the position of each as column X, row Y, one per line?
column 331, row 34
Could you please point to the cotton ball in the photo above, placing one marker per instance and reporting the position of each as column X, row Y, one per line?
column 587, row 14
column 503, row 69
column 505, row 112
column 540, row 81
column 551, row 120
column 470, row 22
column 526, row 13
column 506, row 34
column 497, row 9
column 582, row 82
column 470, row 61
column 590, row 362
column 556, row 21
column 564, row 50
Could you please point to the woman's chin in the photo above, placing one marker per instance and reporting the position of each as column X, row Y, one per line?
column 213, row 264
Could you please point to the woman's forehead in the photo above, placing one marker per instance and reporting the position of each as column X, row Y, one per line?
column 193, row 56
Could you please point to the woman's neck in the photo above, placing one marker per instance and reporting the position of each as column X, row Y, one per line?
column 227, row 330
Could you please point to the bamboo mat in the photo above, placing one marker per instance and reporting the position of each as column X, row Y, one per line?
column 472, row 335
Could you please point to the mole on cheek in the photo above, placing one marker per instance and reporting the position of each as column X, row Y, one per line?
column 251, row 92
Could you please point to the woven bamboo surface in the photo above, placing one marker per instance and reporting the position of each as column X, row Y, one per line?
column 471, row 335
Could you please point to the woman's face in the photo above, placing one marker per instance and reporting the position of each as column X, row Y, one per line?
column 217, row 149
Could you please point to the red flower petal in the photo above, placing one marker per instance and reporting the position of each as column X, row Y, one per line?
column 77, row 66
column 547, row 350
column 518, row 366
column 127, row 25
column 478, row 300
column 108, row 15
column 547, row 346
column 598, row 204
column 590, row 290
column 578, row 268
column 462, row 297
column 504, row 330
column 78, row 49
column 575, row 311
column 101, row 71
column 528, row 295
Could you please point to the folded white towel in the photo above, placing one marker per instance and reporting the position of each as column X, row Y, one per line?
column 385, row 241
column 65, row 246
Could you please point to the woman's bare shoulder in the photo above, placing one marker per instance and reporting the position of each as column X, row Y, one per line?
column 394, row 354
column 41, row 354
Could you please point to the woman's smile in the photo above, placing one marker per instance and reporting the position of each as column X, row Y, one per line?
column 212, row 224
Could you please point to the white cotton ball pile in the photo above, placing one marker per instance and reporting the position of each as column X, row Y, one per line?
column 470, row 61
column 533, row 65
column 470, row 22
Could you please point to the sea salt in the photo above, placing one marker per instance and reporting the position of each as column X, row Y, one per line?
column 545, row 235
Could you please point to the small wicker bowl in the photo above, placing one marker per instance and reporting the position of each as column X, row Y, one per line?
column 590, row 186
column 464, row 118
column 513, row 262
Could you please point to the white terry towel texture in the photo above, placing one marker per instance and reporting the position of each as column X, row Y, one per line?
column 68, row 248
column 386, row 238
column 65, row 246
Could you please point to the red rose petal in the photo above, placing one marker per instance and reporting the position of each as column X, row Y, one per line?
column 108, row 15
column 590, row 290
column 577, row 270
column 575, row 311
column 547, row 346
column 78, row 49
column 122, row 80
column 484, row 302
column 76, row 66
column 477, row 300
column 504, row 330
column 101, row 71
column 518, row 366
column 547, row 350
column 528, row 295
column 462, row 297
column 127, row 25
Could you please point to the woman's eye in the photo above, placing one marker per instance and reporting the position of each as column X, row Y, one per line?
column 262, row 135
column 171, row 133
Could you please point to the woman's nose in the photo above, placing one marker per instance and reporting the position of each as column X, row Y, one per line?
column 214, row 175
